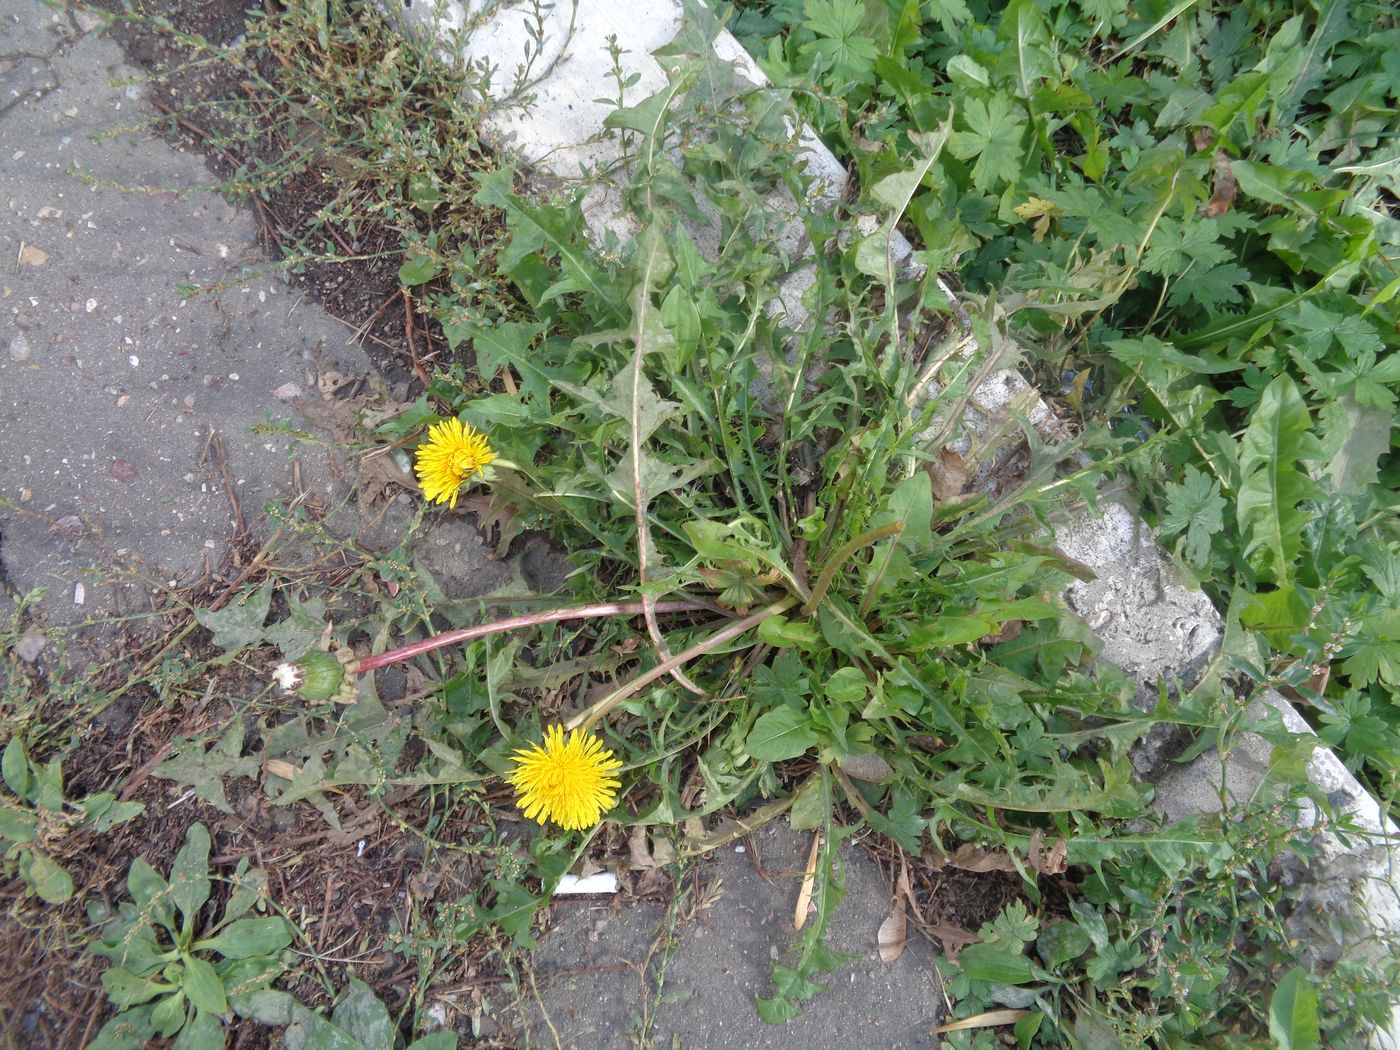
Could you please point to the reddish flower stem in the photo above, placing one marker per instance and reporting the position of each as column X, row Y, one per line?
column 512, row 623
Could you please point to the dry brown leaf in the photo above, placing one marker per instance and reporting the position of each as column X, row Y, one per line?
column 662, row 852
column 953, row 938
column 988, row 1019
column 330, row 381
column 934, row 857
column 638, row 849
column 867, row 767
column 949, row 475
column 381, row 475
column 891, row 936
column 1011, row 629
column 975, row 858
column 1222, row 195
column 809, row 880
column 280, row 768
column 1055, row 862
column 902, row 887
column 655, row 883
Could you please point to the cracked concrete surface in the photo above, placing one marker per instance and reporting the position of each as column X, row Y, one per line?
column 594, row 996
column 114, row 371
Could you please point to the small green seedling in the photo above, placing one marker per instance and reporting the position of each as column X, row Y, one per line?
column 37, row 816
column 358, row 1022
column 162, row 979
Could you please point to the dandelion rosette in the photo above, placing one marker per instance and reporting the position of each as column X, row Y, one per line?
column 567, row 779
column 453, row 453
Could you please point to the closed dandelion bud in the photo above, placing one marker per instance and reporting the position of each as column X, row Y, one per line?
column 315, row 677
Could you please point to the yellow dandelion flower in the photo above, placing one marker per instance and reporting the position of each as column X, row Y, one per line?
column 453, row 453
column 568, row 781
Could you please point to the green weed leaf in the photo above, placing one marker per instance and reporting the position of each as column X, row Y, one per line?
column 169, row 1014
column 14, row 765
column 146, row 886
column 510, row 345
column 301, row 630
column 129, row 1030
column 994, row 133
column 362, row 1016
column 18, row 826
column 1293, row 1022
column 418, row 268
column 996, row 963
column 203, row 986
column 47, row 879
column 204, row 1032
column 435, row 1041
column 189, row 875
column 310, row 1032
column 784, row 733
column 125, row 989
column 246, row 938
column 204, row 770
column 240, row 623
column 1196, row 507
column 1060, row 943
column 265, row 1005
column 1272, row 487
column 841, row 43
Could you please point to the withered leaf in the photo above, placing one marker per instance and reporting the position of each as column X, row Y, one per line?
column 867, row 767
column 891, row 937
column 949, row 475
column 975, row 858
column 1222, row 196
column 953, row 938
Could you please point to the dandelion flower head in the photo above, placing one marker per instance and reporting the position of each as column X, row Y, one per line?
column 453, row 453
column 567, row 780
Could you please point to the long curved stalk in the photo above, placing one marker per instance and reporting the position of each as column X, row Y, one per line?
column 839, row 558
column 512, row 623
column 590, row 715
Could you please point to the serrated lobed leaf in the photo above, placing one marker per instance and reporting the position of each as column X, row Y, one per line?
column 1272, row 486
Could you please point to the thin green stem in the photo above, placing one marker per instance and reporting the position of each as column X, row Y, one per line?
column 591, row 715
